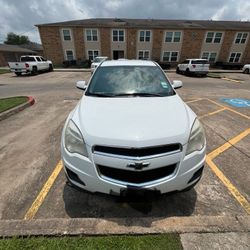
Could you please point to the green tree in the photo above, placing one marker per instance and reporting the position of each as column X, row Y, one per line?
column 15, row 39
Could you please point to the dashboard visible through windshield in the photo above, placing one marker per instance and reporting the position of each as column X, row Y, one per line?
column 112, row 81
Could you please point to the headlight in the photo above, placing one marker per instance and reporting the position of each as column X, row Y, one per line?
column 196, row 139
column 73, row 140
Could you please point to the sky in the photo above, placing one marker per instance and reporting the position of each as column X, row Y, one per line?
column 20, row 16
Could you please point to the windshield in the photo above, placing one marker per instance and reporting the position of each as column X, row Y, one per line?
column 98, row 59
column 114, row 81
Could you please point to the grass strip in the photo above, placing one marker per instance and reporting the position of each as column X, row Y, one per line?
column 162, row 241
column 3, row 71
column 8, row 103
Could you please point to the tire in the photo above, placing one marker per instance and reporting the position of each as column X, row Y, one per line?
column 18, row 73
column 187, row 72
column 246, row 71
column 51, row 68
column 34, row 71
column 177, row 70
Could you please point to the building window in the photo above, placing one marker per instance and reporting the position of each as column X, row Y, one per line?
column 173, row 37
column 118, row 35
column 234, row 57
column 170, row 56
column 213, row 37
column 143, row 54
column 66, row 35
column 93, row 54
column 144, row 36
column 210, row 56
column 91, row 35
column 241, row 37
column 69, row 55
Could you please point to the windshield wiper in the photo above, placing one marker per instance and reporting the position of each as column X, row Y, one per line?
column 139, row 94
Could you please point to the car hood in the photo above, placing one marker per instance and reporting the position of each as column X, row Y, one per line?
column 133, row 121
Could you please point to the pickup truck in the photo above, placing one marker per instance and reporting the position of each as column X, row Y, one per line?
column 30, row 64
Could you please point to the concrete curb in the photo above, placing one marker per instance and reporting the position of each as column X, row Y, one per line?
column 17, row 109
column 119, row 226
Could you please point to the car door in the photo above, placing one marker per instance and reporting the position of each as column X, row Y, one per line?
column 45, row 63
column 39, row 63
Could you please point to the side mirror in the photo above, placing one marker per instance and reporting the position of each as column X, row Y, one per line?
column 81, row 85
column 177, row 84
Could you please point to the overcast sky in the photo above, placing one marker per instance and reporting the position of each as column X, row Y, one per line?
column 20, row 16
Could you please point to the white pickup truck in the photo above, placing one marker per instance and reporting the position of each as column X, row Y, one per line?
column 30, row 64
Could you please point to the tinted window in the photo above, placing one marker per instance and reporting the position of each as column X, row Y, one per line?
column 38, row 59
column 199, row 62
column 129, row 80
column 27, row 59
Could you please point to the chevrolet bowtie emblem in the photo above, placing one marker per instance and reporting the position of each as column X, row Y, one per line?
column 138, row 165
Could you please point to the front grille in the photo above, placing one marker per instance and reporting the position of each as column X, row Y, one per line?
column 139, row 152
column 136, row 177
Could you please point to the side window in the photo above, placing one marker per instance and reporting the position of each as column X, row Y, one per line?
column 43, row 59
column 38, row 59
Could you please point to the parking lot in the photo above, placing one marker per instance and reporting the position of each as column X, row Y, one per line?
column 33, row 185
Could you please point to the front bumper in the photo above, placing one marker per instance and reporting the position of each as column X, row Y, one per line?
column 84, row 173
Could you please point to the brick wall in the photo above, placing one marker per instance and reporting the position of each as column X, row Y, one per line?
column 105, row 42
column 131, row 43
column 51, row 41
column 2, row 60
column 157, row 44
column 246, row 55
column 226, row 46
column 79, row 43
column 191, row 44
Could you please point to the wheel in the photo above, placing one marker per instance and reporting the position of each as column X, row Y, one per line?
column 187, row 72
column 51, row 67
column 246, row 71
column 18, row 73
column 177, row 70
column 34, row 71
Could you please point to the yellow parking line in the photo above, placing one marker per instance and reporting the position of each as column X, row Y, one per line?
column 232, row 110
column 229, row 144
column 43, row 193
column 212, row 113
column 195, row 100
column 231, row 80
column 233, row 190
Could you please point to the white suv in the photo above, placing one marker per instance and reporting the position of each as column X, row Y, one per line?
column 193, row 66
column 132, row 132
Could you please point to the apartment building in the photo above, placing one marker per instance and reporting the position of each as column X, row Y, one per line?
column 165, row 41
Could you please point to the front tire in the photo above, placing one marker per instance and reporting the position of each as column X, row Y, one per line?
column 246, row 71
column 177, row 70
column 187, row 72
column 51, row 68
column 18, row 73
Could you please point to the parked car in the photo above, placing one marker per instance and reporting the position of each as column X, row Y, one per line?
column 30, row 64
column 132, row 132
column 97, row 60
column 193, row 66
column 246, row 69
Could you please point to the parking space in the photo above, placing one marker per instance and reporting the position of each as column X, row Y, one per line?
column 29, row 154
